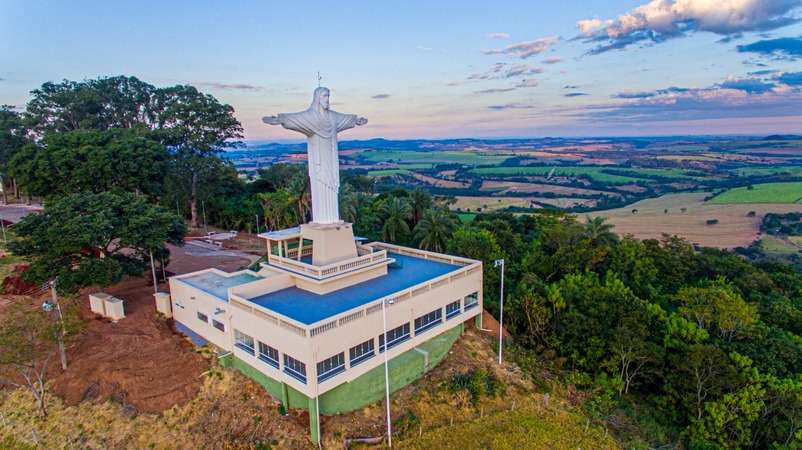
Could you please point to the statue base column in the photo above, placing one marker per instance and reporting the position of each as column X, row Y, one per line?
column 331, row 242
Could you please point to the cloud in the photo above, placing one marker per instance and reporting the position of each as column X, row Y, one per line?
column 734, row 98
column 790, row 78
column 569, row 86
column 424, row 49
column 552, row 60
column 498, row 36
column 511, row 106
column 781, row 47
column 647, row 94
column 494, row 91
column 456, row 83
column 501, row 71
column 660, row 20
column 381, row 96
column 526, row 84
column 526, row 49
column 752, row 85
column 227, row 86
column 574, row 94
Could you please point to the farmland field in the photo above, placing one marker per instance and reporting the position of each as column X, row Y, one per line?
column 593, row 172
column 387, row 172
column 762, row 193
column 734, row 229
column 404, row 157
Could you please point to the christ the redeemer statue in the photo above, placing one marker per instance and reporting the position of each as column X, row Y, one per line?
column 321, row 125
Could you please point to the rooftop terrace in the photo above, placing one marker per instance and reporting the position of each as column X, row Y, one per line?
column 308, row 308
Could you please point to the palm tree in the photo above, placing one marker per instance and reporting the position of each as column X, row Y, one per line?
column 420, row 200
column 397, row 210
column 300, row 194
column 349, row 203
column 598, row 232
column 434, row 229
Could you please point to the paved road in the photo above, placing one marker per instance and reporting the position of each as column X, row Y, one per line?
column 15, row 212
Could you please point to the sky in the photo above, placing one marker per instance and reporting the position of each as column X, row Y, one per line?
column 433, row 70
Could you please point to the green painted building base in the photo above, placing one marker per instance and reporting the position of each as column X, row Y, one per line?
column 368, row 388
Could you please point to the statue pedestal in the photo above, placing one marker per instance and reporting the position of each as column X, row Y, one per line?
column 331, row 242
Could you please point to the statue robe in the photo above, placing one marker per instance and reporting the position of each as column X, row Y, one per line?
column 321, row 128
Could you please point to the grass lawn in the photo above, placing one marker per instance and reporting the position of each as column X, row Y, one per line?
column 762, row 193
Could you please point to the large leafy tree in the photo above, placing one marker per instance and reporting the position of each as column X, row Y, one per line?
column 122, row 160
column 100, row 104
column 195, row 127
column 95, row 239
column 396, row 211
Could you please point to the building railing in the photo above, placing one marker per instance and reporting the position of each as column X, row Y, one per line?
column 323, row 272
column 350, row 316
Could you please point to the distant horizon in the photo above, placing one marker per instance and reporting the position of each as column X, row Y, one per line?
column 698, row 136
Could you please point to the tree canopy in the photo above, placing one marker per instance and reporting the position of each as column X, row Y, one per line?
column 95, row 239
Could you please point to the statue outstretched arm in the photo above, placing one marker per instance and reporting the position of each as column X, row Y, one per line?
column 272, row 120
column 361, row 121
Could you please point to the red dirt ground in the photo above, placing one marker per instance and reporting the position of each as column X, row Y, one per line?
column 141, row 358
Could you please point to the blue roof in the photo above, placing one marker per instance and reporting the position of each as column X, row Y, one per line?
column 308, row 308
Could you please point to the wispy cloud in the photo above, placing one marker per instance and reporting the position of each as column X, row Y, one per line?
column 526, row 49
column 574, row 94
column 498, row 36
column 494, row 91
column 660, row 20
column 227, row 86
column 552, row 60
column 511, row 106
column 504, row 70
column 780, row 47
column 381, row 96
column 526, row 83
column 647, row 94
column 570, row 86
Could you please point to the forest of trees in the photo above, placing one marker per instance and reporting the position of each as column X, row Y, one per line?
column 698, row 347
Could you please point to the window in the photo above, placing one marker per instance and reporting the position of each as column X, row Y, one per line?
column 243, row 341
column 362, row 352
column 330, row 367
column 394, row 337
column 295, row 368
column 268, row 354
column 427, row 321
column 219, row 325
column 452, row 310
column 472, row 301
column 203, row 317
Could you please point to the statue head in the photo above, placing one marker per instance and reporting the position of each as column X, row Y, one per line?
column 320, row 99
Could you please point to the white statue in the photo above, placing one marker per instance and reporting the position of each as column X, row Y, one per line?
column 321, row 125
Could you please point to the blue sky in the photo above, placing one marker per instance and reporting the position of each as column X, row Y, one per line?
column 423, row 69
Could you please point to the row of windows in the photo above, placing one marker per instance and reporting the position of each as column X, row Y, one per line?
column 203, row 317
column 357, row 354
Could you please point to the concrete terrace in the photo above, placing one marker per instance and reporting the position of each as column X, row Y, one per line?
column 216, row 284
column 308, row 308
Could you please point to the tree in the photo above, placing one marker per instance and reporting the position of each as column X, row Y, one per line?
column 717, row 309
column 598, row 232
column 195, row 127
column 434, row 229
column 12, row 141
column 396, row 211
column 101, row 104
column 29, row 338
column 94, row 239
column 121, row 160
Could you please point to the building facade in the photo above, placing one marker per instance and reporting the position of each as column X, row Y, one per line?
column 310, row 324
